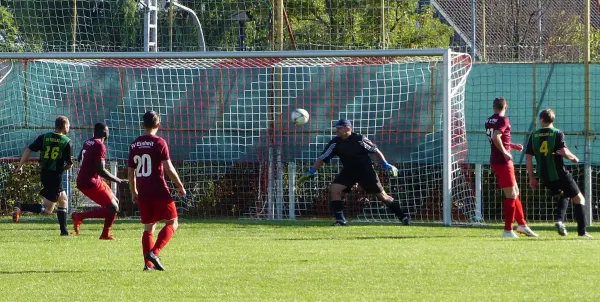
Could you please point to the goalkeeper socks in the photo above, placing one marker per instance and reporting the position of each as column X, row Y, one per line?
column 32, row 207
column 509, row 213
column 108, row 222
column 519, row 214
column 580, row 217
column 337, row 208
column 561, row 208
column 396, row 209
column 147, row 245
column 61, row 214
column 163, row 238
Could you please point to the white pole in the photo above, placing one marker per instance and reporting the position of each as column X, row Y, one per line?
column 587, row 171
column 478, row 192
column 201, row 42
column 113, row 171
column 446, row 140
column 279, row 196
column 270, row 187
column 292, row 190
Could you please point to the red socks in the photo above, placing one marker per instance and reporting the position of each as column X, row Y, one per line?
column 519, row 214
column 509, row 213
column 97, row 213
column 108, row 222
column 163, row 238
column 147, row 245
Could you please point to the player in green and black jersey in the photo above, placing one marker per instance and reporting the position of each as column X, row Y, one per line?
column 55, row 157
column 548, row 146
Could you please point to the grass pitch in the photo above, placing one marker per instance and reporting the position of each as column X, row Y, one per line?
column 297, row 261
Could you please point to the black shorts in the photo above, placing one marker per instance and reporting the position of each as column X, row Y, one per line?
column 565, row 186
column 366, row 178
column 51, row 185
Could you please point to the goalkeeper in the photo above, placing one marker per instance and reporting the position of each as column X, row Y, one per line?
column 353, row 149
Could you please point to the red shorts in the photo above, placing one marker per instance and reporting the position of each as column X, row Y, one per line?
column 506, row 175
column 157, row 210
column 100, row 194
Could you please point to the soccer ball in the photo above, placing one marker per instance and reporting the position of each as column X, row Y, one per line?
column 300, row 116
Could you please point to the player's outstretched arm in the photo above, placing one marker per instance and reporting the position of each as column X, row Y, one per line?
column 132, row 184
column 24, row 158
column 566, row 153
column 388, row 168
column 311, row 172
column 101, row 170
column 533, row 182
column 173, row 176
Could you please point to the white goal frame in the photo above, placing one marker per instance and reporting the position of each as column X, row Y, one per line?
column 446, row 54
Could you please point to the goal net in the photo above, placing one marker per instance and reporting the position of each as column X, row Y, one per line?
column 227, row 122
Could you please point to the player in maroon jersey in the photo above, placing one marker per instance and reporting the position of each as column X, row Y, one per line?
column 497, row 128
column 148, row 161
column 92, row 166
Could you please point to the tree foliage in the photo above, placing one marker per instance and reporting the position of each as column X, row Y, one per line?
column 568, row 40
column 117, row 25
column 9, row 33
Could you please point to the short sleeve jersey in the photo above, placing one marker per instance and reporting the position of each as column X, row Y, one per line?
column 353, row 151
column 55, row 151
column 502, row 124
column 544, row 144
column 146, row 154
column 92, row 154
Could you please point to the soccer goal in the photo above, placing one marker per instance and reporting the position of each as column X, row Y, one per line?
column 226, row 117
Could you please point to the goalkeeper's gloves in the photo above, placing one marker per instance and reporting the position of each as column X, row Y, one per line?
column 307, row 176
column 393, row 171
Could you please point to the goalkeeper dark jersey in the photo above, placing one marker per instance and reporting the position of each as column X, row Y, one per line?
column 55, row 151
column 353, row 151
column 544, row 144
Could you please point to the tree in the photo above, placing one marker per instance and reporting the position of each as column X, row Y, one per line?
column 9, row 33
column 357, row 24
column 568, row 40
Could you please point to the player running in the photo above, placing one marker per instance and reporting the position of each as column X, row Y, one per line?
column 92, row 159
column 353, row 149
column 55, row 157
column 548, row 146
column 148, row 161
column 497, row 128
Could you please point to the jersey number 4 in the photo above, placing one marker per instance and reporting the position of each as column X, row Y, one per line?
column 51, row 153
column 544, row 148
column 144, row 165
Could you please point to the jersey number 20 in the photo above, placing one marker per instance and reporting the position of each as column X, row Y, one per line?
column 144, row 165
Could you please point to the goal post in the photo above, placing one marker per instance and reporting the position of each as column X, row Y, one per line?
column 226, row 117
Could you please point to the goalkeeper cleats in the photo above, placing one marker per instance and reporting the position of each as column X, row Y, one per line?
column 405, row 220
column 339, row 223
column 524, row 229
column 155, row 260
column 561, row 228
column 16, row 213
column 509, row 234
column 586, row 235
